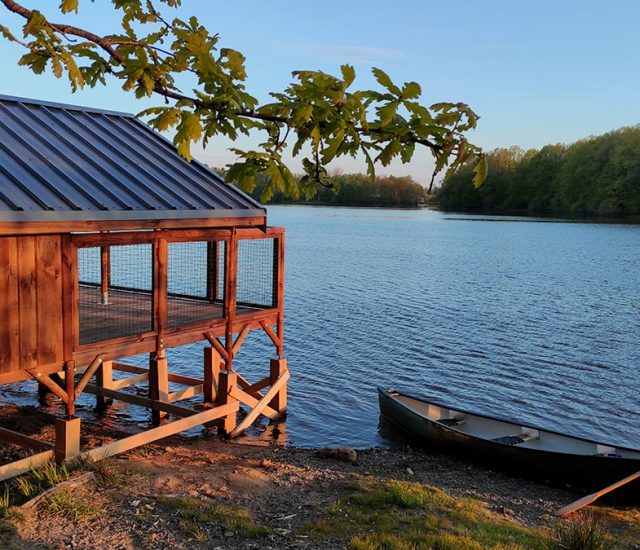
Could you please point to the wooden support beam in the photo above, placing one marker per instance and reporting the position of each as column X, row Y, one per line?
column 211, row 374
column 69, row 381
column 161, row 432
column 230, row 295
column 274, row 337
column 158, row 381
column 177, row 378
column 186, row 393
column 245, row 385
column 86, row 376
column 46, row 381
column 67, row 438
column 25, row 465
column 257, row 386
column 166, row 408
column 260, row 406
column 105, row 274
column 104, row 379
column 127, row 382
column 24, row 440
column 228, row 380
column 243, row 334
column 217, row 345
column 278, row 367
column 252, row 403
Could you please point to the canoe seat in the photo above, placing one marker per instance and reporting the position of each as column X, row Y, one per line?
column 509, row 440
column 452, row 421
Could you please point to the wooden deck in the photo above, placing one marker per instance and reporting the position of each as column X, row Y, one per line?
column 131, row 312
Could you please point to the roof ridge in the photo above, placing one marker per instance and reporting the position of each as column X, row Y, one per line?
column 64, row 106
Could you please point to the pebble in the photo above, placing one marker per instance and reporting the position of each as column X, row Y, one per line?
column 410, row 471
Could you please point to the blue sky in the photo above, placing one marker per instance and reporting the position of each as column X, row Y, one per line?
column 536, row 72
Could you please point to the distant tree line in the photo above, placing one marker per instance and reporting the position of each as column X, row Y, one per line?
column 354, row 190
column 595, row 176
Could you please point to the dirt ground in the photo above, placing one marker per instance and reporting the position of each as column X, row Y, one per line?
column 138, row 500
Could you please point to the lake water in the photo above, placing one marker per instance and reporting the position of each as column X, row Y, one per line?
column 532, row 321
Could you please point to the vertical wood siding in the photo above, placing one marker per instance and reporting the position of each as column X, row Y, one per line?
column 30, row 302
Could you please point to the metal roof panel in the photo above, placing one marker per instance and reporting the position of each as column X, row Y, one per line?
column 56, row 159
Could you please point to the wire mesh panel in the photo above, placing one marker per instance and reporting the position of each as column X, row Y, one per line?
column 127, row 307
column 257, row 273
column 195, row 282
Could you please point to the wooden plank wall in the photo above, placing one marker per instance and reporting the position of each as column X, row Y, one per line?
column 30, row 302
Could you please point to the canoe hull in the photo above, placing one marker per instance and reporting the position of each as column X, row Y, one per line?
column 579, row 470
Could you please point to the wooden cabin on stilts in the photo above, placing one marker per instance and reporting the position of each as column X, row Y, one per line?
column 112, row 246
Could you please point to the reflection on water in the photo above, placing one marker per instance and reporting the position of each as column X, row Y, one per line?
column 534, row 321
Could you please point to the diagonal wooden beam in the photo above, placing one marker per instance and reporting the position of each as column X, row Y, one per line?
column 256, row 387
column 217, row 345
column 24, row 440
column 245, row 385
column 261, row 405
column 243, row 334
column 46, row 381
column 163, row 431
column 274, row 337
column 252, row 402
column 86, row 376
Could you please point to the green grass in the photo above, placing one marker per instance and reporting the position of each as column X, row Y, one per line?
column 196, row 516
column 73, row 506
column 398, row 515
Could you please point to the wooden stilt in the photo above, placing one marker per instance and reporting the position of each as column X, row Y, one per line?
column 104, row 379
column 67, row 438
column 277, row 368
column 158, row 381
column 69, row 381
column 227, row 381
column 211, row 374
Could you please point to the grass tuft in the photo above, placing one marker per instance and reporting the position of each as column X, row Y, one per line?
column 70, row 505
column 585, row 532
column 195, row 515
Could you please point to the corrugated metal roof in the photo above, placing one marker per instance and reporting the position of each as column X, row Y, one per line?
column 62, row 162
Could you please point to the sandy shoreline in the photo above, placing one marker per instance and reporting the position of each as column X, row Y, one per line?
column 283, row 489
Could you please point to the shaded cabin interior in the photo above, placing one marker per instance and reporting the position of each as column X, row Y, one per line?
column 112, row 245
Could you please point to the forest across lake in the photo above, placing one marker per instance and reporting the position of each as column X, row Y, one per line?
column 596, row 176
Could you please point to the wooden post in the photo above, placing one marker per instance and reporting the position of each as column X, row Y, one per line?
column 213, row 251
column 158, row 381
column 211, row 374
column 227, row 381
column 280, row 292
column 69, row 382
column 105, row 274
column 104, row 379
column 231, row 260
column 67, row 438
column 277, row 367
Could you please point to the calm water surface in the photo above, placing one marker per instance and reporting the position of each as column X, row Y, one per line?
column 534, row 321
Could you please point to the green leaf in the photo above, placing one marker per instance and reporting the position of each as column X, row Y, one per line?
column 389, row 152
column 411, row 90
column 481, row 171
column 384, row 80
column 348, row 74
column 388, row 112
column 67, row 6
column 35, row 23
